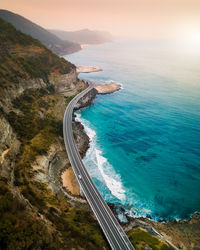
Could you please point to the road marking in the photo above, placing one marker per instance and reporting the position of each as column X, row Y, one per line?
column 115, row 234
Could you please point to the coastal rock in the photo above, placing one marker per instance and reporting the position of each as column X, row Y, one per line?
column 87, row 99
column 184, row 234
column 107, row 88
column 87, row 69
column 81, row 138
column 119, row 212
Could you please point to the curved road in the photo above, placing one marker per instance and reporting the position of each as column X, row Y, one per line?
column 109, row 224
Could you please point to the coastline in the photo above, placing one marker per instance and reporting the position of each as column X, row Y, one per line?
column 81, row 138
column 172, row 232
column 131, row 223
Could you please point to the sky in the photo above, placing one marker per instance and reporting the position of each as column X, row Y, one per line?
column 129, row 18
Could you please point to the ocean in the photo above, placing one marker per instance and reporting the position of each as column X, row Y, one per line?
column 145, row 139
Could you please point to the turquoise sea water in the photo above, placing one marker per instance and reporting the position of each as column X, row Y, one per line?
column 145, row 139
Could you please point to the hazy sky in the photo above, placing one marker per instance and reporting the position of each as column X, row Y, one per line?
column 136, row 18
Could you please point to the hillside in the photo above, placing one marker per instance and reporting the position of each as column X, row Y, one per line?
column 54, row 43
column 84, row 36
column 35, row 210
column 22, row 57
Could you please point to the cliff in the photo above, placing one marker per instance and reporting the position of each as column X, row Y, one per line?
column 9, row 148
column 87, row 99
column 37, row 212
column 54, row 43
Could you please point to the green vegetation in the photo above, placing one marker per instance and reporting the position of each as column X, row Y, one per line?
column 37, row 219
column 141, row 238
column 29, row 122
column 57, row 45
column 69, row 98
column 19, row 230
column 79, row 225
column 36, row 126
column 22, row 57
column 72, row 227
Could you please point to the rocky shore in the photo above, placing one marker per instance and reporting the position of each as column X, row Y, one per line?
column 107, row 88
column 87, row 69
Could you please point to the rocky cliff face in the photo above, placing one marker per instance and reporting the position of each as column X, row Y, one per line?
column 87, row 99
column 16, row 90
column 60, row 82
column 9, row 148
column 9, row 144
column 64, row 82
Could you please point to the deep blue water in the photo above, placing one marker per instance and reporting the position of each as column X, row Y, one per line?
column 145, row 139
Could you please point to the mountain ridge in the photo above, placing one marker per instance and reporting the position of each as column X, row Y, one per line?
column 26, row 26
column 84, row 36
column 22, row 57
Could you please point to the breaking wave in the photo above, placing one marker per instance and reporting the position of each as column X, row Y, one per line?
column 98, row 166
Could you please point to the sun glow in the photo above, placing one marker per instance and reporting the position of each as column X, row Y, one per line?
column 191, row 41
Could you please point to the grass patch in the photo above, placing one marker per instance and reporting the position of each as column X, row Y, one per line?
column 140, row 239
column 69, row 98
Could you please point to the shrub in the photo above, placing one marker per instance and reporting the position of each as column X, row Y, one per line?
column 140, row 238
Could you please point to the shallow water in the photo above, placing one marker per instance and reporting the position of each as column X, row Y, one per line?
column 145, row 138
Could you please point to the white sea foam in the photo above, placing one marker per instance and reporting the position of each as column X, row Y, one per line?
column 115, row 186
column 121, row 86
column 90, row 132
column 109, row 81
column 101, row 166
column 112, row 81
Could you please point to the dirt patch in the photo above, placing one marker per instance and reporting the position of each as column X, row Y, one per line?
column 70, row 182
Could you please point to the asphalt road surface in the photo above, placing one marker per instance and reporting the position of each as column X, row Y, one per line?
column 109, row 224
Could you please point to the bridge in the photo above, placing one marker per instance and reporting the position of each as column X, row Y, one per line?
column 108, row 222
